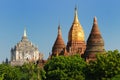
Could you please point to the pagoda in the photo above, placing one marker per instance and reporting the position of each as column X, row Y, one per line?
column 59, row 47
column 76, row 41
column 95, row 42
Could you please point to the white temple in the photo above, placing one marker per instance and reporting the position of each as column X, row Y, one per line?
column 25, row 51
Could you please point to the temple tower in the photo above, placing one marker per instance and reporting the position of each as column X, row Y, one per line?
column 95, row 43
column 59, row 45
column 76, row 41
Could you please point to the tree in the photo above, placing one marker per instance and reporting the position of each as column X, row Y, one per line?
column 32, row 72
column 8, row 72
column 117, row 77
column 105, row 67
column 61, row 67
column 26, row 72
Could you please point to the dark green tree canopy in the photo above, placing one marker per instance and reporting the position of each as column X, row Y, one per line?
column 68, row 68
column 105, row 67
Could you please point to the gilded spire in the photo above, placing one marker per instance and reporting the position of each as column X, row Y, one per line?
column 76, row 32
column 76, row 16
column 76, row 40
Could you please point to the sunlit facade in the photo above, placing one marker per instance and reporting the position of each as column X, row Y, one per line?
column 25, row 51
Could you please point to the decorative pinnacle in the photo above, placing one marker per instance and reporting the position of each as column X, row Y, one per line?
column 25, row 34
column 95, row 20
column 76, row 16
column 59, row 30
column 75, row 7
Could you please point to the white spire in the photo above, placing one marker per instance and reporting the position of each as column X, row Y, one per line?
column 25, row 34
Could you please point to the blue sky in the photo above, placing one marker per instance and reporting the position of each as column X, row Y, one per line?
column 41, row 19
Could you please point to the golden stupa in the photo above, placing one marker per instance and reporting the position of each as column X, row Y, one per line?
column 76, row 32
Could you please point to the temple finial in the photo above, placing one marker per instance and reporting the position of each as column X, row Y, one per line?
column 59, row 22
column 25, row 34
column 76, row 16
column 75, row 7
column 59, row 30
column 95, row 20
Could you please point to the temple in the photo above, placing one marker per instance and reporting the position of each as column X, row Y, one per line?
column 95, row 43
column 24, row 52
column 76, row 41
column 59, row 45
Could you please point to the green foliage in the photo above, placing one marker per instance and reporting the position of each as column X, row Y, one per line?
column 117, row 77
column 70, row 68
column 8, row 72
column 32, row 72
column 105, row 67
column 26, row 72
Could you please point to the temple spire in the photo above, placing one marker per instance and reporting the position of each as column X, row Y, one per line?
column 76, row 40
column 59, row 44
column 95, row 29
